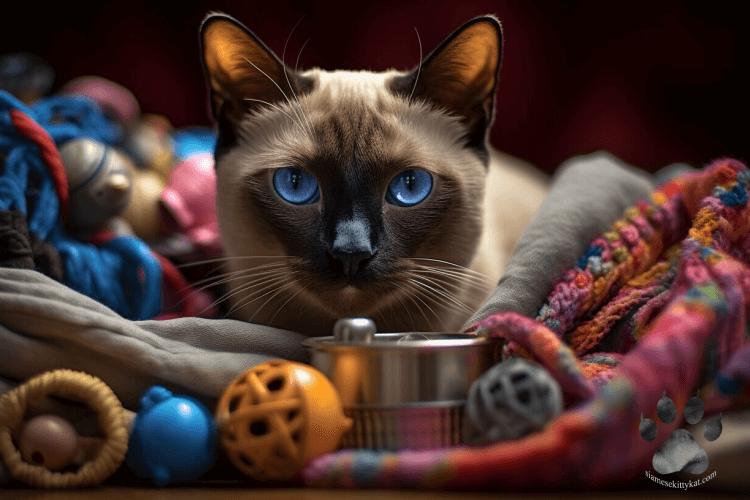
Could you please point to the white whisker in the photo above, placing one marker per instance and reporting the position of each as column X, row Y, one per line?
column 459, row 276
column 296, row 64
column 233, row 275
column 444, row 293
column 284, row 304
column 218, row 280
column 249, row 286
column 380, row 313
column 271, row 288
column 225, row 259
column 419, row 68
column 291, row 87
column 278, row 87
column 231, row 294
column 462, row 268
column 297, row 121
column 288, row 285
column 437, row 316
column 411, row 297
column 435, row 297
column 408, row 313
column 406, row 308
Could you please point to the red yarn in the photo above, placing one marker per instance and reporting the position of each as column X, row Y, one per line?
column 48, row 151
column 182, row 286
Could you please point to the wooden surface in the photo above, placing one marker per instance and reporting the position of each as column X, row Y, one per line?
column 731, row 481
column 323, row 494
column 730, row 459
column 724, row 485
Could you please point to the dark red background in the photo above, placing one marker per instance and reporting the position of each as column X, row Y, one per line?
column 654, row 82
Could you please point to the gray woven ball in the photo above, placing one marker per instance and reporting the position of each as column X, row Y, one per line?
column 513, row 398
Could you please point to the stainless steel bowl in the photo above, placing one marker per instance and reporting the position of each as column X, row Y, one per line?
column 403, row 390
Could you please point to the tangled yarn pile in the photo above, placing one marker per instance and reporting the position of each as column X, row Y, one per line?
column 120, row 272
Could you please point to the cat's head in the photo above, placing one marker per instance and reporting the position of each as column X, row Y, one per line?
column 349, row 193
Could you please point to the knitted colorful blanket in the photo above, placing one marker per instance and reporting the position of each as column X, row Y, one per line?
column 657, row 304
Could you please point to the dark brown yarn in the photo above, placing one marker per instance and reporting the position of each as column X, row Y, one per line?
column 21, row 249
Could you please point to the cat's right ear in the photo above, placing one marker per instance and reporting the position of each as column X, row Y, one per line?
column 242, row 73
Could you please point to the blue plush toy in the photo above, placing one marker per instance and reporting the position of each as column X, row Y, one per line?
column 173, row 439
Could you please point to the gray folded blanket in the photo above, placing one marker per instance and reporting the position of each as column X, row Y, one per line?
column 44, row 325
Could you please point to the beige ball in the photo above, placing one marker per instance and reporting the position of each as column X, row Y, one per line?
column 143, row 212
column 49, row 441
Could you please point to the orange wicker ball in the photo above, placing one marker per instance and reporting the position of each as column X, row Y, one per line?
column 276, row 417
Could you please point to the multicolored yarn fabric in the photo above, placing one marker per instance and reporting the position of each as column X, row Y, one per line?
column 659, row 303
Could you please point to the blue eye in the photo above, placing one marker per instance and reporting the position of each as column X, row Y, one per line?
column 296, row 186
column 409, row 188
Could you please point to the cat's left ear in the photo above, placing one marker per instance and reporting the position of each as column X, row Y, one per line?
column 461, row 75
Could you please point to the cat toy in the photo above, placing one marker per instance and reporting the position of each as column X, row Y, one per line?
column 116, row 101
column 143, row 212
column 191, row 141
column 271, row 421
column 188, row 205
column 100, row 183
column 112, row 267
column 149, row 143
column 173, row 439
column 35, row 185
column 49, row 443
column 513, row 398
column 156, row 150
column 276, row 417
column 26, row 76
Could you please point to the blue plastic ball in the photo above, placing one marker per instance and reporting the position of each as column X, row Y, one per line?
column 173, row 440
column 193, row 141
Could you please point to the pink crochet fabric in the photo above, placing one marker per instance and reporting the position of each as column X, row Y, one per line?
column 659, row 303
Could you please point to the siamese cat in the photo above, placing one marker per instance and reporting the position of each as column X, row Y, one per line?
column 360, row 193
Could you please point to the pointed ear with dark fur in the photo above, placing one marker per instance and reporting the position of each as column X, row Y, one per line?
column 241, row 71
column 461, row 75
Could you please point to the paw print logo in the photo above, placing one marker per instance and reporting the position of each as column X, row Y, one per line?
column 680, row 452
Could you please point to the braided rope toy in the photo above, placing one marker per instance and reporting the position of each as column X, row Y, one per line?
column 76, row 386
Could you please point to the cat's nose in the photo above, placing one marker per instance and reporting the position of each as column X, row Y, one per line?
column 352, row 262
column 352, row 247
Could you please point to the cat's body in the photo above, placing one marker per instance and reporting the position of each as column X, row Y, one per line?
column 359, row 193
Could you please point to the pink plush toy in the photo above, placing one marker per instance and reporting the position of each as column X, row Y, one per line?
column 113, row 98
column 189, row 200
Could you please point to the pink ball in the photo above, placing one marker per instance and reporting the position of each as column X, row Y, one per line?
column 49, row 441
